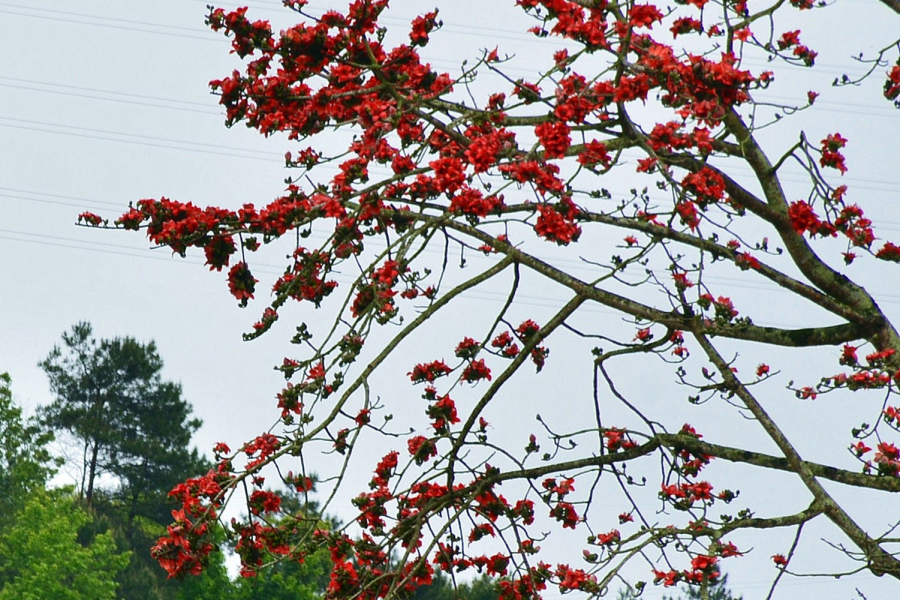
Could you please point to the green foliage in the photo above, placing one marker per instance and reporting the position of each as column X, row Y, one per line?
column 444, row 588
column 144, row 579
column 132, row 424
column 45, row 553
column 717, row 591
column 109, row 395
column 212, row 584
column 287, row 581
column 290, row 580
column 25, row 462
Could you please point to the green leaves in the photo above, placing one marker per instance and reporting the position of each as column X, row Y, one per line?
column 132, row 424
column 25, row 462
column 43, row 558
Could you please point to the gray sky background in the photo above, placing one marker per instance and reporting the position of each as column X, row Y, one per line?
column 106, row 102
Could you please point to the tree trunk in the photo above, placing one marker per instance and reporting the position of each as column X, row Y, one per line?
column 92, row 472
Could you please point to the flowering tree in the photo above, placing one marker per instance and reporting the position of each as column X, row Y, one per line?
column 445, row 188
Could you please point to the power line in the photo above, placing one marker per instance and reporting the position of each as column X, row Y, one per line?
column 83, row 203
column 105, row 91
column 461, row 28
column 37, row 193
column 56, row 126
column 831, row 106
column 522, row 36
column 118, row 249
column 889, row 186
column 881, row 224
column 102, row 18
column 69, row 21
column 209, row 111
column 538, row 301
column 139, row 136
column 56, row 202
column 267, row 268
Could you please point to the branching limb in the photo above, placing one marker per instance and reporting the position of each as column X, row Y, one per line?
column 880, row 561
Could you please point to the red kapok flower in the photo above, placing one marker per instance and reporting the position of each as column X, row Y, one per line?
column 241, row 283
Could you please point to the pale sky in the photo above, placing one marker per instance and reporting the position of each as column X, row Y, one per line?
column 106, row 102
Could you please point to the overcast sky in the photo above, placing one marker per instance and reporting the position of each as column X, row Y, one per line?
column 106, row 102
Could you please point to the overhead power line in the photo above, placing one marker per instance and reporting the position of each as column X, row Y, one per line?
column 105, row 91
column 59, row 92
column 536, row 300
column 139, row 136
column 102, row 18
column 136, row 139
column 458, row 28
column 275, row 7
column 70, row 21
column 832, row 106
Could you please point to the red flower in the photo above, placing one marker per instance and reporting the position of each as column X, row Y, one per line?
column 644, row 15
column 647, row 165
column 643, row 335
column 831, row 146
column 556, row 227
column 806, row 55
column 804, row 219
column 527, row 329
column 889, row 252
column 241, row 283
column 668, row 579
column 685, row 25
column 744, row 261
column 892, row 84
column 363, row 417
column 565, row 513
column 687, row 210
column 594, row 153
column 703, row 562
column 467, row 348
column 385, row 468
column 476, row 371
column 681, row 281
column 528, row 92
column 554, row 137
column 421, row 27
column 442, row 413
column 428, row 371
column 262, row 501
column 789, row 39
column 705, row 185
column 502, row 340
column 90, row 218
column 860, row 448
column 848, row 355
column 421, row 449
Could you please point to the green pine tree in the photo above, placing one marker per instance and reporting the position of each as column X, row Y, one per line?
column 133, row 427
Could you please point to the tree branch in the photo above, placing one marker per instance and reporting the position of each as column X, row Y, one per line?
column 679, row 441
column 813, row 336
column 880, row 562
column 695, row 446
column 894, row 5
